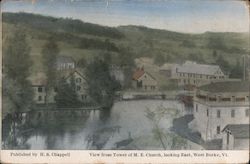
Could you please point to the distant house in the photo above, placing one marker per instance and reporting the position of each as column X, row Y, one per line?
column 65, row 63
column 217, row 105
column 236, row 137
column 142, row 80
column 192, row 73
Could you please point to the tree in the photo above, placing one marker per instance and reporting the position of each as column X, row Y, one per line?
column 237, row 71
column 159, row 59
column 101, row 86
column 17, row 61
column 196, row 57
column 223, row 63
column 216, row 42
column 168, row 140
column 126, row 62
column 82, row 63
column 17, row 91
column 188, row 43
column 50, row 51
column 66, row 94
column 214, row 53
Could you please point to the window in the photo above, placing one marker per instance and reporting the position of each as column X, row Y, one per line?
column 78, row 88
column 232, row 113
column 78, row 80
column 240, row 99
column 84, row 97
column 218, row 113
column 207, row 112
column 40, row 89
column 145, row 87
column 152, row 87
column 218, row 129
column 247, row 112
column 225, row 99
column 40, row 98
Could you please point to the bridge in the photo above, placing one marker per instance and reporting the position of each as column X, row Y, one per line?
column 50, row 113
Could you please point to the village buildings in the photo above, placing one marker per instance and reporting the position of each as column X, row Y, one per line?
column 65, row 69
column 218, row 105
column 144, row 81
column 192, row 73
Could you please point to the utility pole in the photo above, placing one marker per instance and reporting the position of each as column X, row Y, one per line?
column 244, row 68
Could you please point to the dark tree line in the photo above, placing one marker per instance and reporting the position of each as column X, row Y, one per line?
column 16, row 70
column 101, row 86
column 46, row 23
column 17, row 91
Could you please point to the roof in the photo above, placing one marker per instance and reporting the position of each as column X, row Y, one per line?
column 238, row 130
column 71, row 72
column 227, row 86
column 64, row 59
column 167, row 66
column 193, row 67
column 38, row 80
column 138, row 73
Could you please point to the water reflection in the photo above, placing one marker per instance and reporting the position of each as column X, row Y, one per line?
column 112, row 129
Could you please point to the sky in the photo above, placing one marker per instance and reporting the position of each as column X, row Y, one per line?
column 188, row 16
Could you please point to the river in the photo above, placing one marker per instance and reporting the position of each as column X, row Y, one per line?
column 126, row 125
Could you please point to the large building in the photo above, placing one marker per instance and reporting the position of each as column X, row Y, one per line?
column 192, row 73
column 217, row 105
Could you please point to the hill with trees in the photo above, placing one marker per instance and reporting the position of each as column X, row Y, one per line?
column 86, row 41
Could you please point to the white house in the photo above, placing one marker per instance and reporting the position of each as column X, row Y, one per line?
column 236, row 137
column 64, row 63
column 192, row 73
column 144, row 81
column 218, row 104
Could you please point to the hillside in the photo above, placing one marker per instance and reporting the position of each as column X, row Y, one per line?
column 85, row 40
